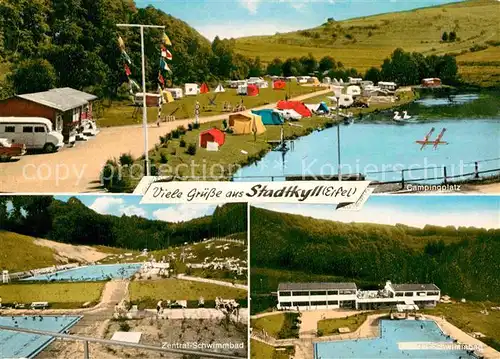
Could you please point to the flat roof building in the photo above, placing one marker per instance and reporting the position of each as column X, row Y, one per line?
column 331, row 295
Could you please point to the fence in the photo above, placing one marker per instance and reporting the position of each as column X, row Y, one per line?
column 405, row 175
column 87, row 340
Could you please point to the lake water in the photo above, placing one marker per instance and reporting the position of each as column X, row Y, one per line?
column 393, row 333
column 380, row 150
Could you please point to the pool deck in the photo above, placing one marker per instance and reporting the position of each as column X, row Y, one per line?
column 304, row 346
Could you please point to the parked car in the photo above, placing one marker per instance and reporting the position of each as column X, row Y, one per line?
column 9, row 149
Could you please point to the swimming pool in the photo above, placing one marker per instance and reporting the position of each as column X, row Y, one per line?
column 90, row 273
column 392, row 334
column 23, row 345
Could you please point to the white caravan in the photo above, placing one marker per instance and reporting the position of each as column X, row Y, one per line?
column 33, row 132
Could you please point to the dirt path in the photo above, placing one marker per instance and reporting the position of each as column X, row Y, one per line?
column 73, row 170
column 71, row 252
column 212, row 281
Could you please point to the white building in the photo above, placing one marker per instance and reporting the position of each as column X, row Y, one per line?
column 355, row 80
column 316, row 296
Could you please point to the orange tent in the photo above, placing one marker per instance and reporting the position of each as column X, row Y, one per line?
column 252, row 90
column 279, row 85
column 204, row 88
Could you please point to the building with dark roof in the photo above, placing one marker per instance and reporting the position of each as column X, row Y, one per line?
column 65, row 107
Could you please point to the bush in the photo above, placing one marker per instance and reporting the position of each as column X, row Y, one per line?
column 196, row 126
column 478, row 47
column 163, row 158
column 182, row 143
column 190, row 126
column 175, row 133
column 453, row 36
column 191, row 149
column 181, row 130
column 124, row 327
column 348, row 36
column 126, row 159
column 444, row 37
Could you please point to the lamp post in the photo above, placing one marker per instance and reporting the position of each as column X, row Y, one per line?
column 147, row 167
column 338, row 93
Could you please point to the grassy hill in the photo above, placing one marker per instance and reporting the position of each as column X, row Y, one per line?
column 463, row 262
column 365, row 42
column 20, row 253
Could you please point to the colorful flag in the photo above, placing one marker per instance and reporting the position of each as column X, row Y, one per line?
column 161, row 79
column 126, row 57
column 168, row 55
column 121, row 43
column 127, row 70
column 166, row 40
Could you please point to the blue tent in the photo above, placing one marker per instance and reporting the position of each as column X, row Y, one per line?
column 269, row 117
column 323, row 107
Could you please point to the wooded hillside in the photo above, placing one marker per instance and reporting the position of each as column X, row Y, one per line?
column 463, row 262
column 73, row 222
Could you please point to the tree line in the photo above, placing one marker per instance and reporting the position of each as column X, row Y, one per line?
column 409, row 68
column 463, row 262
column 74, row 223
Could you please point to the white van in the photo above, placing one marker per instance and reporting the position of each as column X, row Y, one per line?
column 33, row 132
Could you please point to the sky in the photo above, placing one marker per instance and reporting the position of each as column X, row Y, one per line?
column 130, row 205
column 415, row 211
column 237, row 18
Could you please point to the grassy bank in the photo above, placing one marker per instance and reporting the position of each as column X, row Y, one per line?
column 121, row 113
column 20, row 253
column 279, row 326
column 331, row 326
column 147, row 293
column 259, row 350
column 468, row 317
column 58, row 295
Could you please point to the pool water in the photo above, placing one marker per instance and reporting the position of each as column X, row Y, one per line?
column 90, row 273
column 23, row 345
column 392, row 332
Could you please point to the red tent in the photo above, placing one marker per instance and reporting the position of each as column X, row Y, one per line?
column 252, row 90
column 299, row 107
column 212, row 135
column 204, row 88
column 279, row 85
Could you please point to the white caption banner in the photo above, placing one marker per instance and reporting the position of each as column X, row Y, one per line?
column 310, row 192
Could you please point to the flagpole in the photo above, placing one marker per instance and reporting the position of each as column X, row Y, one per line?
column 147, row 167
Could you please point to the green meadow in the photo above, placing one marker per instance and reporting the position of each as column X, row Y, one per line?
column 366, row 41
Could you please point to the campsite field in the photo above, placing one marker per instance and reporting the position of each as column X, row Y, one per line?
column 58, row 295
column 121, row 113
column 148, row 293
column 20, row 253
column 366, row 41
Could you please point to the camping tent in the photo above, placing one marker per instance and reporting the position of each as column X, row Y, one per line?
column 220, row 89
column 290, row 115
column 204, row 88
column 299, row 107
column 246, row 123
column 212, row 135
column 176, row 92
column 167, row 97
column 191, row 89
column 279, row 85
column 318, row 108
column 152, row 99
column 252, row 90
column 314, row 80
column 269, row 117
